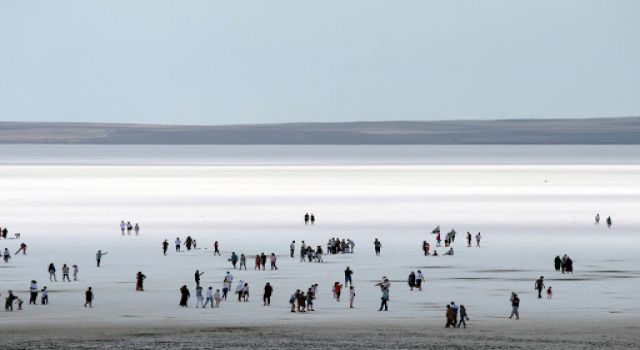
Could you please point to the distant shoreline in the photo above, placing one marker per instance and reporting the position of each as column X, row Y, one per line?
column 595, row 131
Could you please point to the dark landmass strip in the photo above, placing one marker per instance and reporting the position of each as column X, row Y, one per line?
column 597, row 131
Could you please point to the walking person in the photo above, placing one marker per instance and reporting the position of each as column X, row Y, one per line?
column 266, row 297
column 597, row 219
column 312, row 219
column 352, row 296
column 478, row 237
column 184, row 295
column 209, row 299
column 411, row 281
column 243, row 262
column 384, row 299
column 165, row 246
column 273, row 261
column 216, row 248
column 7, row 255
column 33, row 292
column 52, row 273
column 136, row 228
column 468, row 239
column 419, row 279
column 217, row 297
column 129, row 228
column 44, row 299
column 347, row 276
column 515, row 304
column 199, row 297
column 123, row 226
column 99, row 256
column 88, row 297
column 140, row 277
column 609, row 222
column 292, row 248
column 306, row 219
column 377, row 245
column 557, row 262
column 463, row 316
column 178, row 244
column 450, row 318
column 234, row 259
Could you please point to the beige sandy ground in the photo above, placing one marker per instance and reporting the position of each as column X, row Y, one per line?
column 556, row 333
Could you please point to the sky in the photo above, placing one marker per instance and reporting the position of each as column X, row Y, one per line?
column 239, row 62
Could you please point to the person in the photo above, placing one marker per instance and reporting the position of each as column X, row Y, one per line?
column 292, row 248
column 216, row 248
column 337, row 289
column 23, row 249
column 449, row 252
column 99, row 256
column 123, row 226
column 425, row 248
column 563, row 263
column 515, row 304
column 199, row 297
column 256, row 262
column 243, row 261
column 188, row 242
column 65, row 273
column 209, row 300
column 197, row 277
column 233, row 259
column 310, row 296
column 302, row 301
column 539, row 286
column 136, row 228
column 140, row 277
column 549, row 293
column 273, row 261
column 449, row 316
column 217, row 297
column 266, row 297
column 352, row 296
column 463, row 316
column 19, row 302
column 292, row 300
column 165, row 246
column 263, row 260
column 412, row 280
column 468, row 239
column 568, row 265
column 438, row 239
column 384, row 299
column 377, row 245
column 597, row 219
column 75, row 272
column 184, row 295
column 313, row 219
column 347, row 276
column 455, row 309
column 8, row 305
column 33, row 291
column 609, row 222
column 319, row 254
column 245, row 292
column 306, row 218
column 436, row 230
column 88, row 297
column 7, row 255
column 129, row 228
column 44, row 300
column 557, row 262
column 435, row 253
column 52, row 273
column 178, row 243
column 419, row 279
column 478, row 237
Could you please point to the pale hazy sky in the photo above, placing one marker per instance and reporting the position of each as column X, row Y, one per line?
column 221, row 62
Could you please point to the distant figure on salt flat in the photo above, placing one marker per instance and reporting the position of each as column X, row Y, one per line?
column 199, row 297
column 450, row 252
column 411, row 281
column 140, row 277
column 292, row 248
column 123, row 226
column 266, row 297
column 188, row 242
column 352, row 296
column 313, row 219
column 216, row 248
column 419, row 279
column 99, row 256
column 209, row 299
column 136, row 228
column 52, row 273
column 377, row 245
column 597, row 219
column 6, row 255
column 33, row 292
column 463, row 316
column 88, row 297
column 129, row 228
column 178, row 243
column 165, row 246
column 273, row 260
column 8, row 305
column 515, row 305
column 65, row 273
column 243, row 261
column 609, row 222
column 385, row 285
column 306, row 218
column 75, row 272
column 44, row 299
column 436, row 230
column 468, row 239
column 347, row 276
column 426, row 247
column 557, row 263
column 438, row 239
column 196, row 277
column 234, row 259
column 549, row 292
column 263, row 261
column 23, row 249
column 539, row 286
column 478, row 238
column 184, row 295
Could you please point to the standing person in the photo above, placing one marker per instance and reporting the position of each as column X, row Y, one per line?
column 209, row 299
column 557, row 262
column 216, row 248
column 273, row 261
column 449, row 316
column 165, row 246
column 7, row 255
column 463, row 316
column 419, row 279
column 478, row 237
column 384, row 299
column 88, row 297
column 234, row 259
column 292, row 248
column 123, row 226
column 425, row 248
column 438, row 239
column 292, row 300
column 263, row 260
column 217, row 297
column 199, row 297
column 52, row 273
column 313, row 219
column 99, row 256
column 549, row 292
column 197, row 277
column 23, row 249
column 184, row 295
column 337, row 289
column 8, row 304
column 129, row 228
column 306, row 218
column 178, row 243
column 455, row 309
column 136, row 228
column 539, row 286
column 256, row 262
column 597, row 219
column 33, row 291
column 75, row 272
column 140, row 277
column 310, row 297
column 266, row 297
column 412, row 280
column 245, row 292
column 65, row 273
column 347, row 276
column 352, row 296
column 515, row 304
column 377, row 245
column 44, row 299
column 609, row 222
column 468, row 239
column 188, row 242
column 243, row 261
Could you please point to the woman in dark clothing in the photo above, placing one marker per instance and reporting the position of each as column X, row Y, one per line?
column 139, row 278
column 557, row 263
column 184, row 296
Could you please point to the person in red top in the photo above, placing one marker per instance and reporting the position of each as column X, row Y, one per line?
column 337, row 288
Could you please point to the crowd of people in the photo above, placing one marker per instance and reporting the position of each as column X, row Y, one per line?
column 564, row 264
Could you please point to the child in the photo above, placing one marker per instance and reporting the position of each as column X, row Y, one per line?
column 549, row 293
column 19, row 301
column 209, row 297
column 352, row 296
column 217, row 298
column 45, row 296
